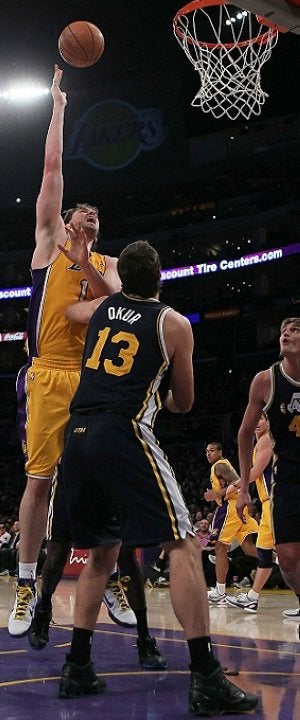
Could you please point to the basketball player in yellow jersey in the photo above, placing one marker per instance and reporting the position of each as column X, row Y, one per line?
column 226, row 525
column 64, row 270
column 261, row 474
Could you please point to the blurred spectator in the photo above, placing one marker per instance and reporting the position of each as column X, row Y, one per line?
column 4, row 534
column 8, row 551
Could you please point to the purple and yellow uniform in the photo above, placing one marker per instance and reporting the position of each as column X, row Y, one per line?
column 226, row 525
column 265, row 539
column 47, row 383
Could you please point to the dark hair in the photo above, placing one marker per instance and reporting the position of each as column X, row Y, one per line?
column 139, row 269
column 217, row 445
column 287, row 321
column 68, row 214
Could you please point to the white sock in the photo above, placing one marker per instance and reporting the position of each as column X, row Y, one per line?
column 27, row 571
column 221, row 588
column 252, row 595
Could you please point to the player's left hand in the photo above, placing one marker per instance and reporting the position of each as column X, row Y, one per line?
column 58, row 95
column 77, row 252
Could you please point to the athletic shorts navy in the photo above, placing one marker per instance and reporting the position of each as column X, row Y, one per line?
column 286, row 503
column 114, row 472
column 58, row 526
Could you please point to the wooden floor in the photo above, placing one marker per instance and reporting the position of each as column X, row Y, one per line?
column 263, row 648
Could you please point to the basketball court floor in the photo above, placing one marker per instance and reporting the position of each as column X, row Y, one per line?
column 263, row 648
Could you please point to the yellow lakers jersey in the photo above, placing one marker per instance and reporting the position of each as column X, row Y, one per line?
column 215, row 482
column 50, row 334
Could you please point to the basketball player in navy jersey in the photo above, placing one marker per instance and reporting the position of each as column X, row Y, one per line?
column 277, row 391
column 117, row 481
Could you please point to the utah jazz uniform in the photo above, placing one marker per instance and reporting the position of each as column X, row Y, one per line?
column 265, row 540
column 226, row 525
column 113, row 466
column 47, row 383
column 283, row 409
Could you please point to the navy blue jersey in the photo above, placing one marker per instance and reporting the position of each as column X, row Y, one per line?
column 283, row 410
column 125, row 362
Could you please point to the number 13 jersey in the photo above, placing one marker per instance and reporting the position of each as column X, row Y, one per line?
column 125, row 364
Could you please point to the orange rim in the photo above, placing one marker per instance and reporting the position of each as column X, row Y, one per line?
column 269, row 24
column 260, row 39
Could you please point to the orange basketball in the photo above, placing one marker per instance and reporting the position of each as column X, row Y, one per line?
column 81, row 44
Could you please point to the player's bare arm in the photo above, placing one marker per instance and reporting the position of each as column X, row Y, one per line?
column 258, row 395
column 50, row 229
column 81, row 312
column 105, row 284
column 179, row 343
column 225, row 474
column 264, row 452
column 227, row 478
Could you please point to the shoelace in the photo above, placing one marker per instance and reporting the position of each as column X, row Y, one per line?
column 24, row 595
column 116, row 588
column 124, row 581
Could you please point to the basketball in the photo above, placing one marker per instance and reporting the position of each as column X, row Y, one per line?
column 81, row 44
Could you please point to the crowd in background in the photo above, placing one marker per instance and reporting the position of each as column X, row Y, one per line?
column 221, row 397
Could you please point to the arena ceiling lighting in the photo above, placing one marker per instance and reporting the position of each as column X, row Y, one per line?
column 23, row 92
column 238, row 16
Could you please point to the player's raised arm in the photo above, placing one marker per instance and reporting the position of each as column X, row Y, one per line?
column 49, row 224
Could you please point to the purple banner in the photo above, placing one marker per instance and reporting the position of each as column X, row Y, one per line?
column 244, row 261
column 204, row 268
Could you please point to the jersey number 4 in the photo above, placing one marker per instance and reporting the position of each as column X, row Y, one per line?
column 294, row 425
column 125, row 355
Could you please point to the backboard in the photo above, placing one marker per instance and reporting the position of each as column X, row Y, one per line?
column 283, row 13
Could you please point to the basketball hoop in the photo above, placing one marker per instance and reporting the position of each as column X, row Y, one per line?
column 230, row 59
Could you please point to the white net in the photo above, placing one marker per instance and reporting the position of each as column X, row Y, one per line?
column 228, row 47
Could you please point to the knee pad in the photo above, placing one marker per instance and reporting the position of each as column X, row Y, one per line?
column 264, row 558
